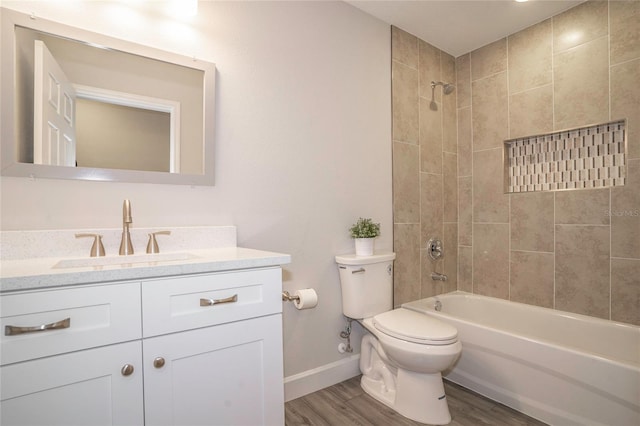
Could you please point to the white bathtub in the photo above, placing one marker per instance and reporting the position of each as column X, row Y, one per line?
column 558, row 367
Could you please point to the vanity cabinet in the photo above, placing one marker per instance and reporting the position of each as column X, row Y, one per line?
column 201, row 349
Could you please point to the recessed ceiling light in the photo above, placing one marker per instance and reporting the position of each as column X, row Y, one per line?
column 521, row 1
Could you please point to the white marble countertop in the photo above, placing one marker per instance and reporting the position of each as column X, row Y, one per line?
column 39, row 273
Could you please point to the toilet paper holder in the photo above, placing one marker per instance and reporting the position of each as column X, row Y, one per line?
column 302, row 299
column 286, row 297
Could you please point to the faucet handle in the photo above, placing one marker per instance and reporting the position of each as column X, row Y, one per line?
column 152, row 245
column 97, row 249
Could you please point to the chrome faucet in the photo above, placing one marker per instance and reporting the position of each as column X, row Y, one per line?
column 438, row 277
column 126, row 248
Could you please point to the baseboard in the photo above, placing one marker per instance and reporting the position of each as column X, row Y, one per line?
column 321, row 377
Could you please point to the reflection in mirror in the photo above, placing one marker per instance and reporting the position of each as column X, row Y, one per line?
column 113, row 136
column 83, row 111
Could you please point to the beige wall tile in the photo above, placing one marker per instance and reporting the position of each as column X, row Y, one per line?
column 463, row 80
column 449, row 123
column 625, row 290
column 490, row 112
column 404, row 86
column 532, row 278
column 404, row 47
column 491, row 260
column 490, row 203
column 450, row 242
column 450, row 183
column 465, row 211
column 430, row 138
column 465, row 269
column 465, row 149
column 580, row 24
column 489, row 59
column 624, row 19
column 625, row 101
column 584, row 207
column 582, row 269
column 449, row 116
column 531, row 112
column 580, row 96
column 429, row 69
column 581, row 85
column 530, row 52
column 419, row 202
column 432, row 206
column 406, row 183
column 447, row 68
column 625, row 215
column 532, row 221
column 406, row 271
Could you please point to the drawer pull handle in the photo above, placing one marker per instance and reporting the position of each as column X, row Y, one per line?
column 11, row 330
column 211, row 302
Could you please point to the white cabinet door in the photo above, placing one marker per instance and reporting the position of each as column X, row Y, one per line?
column 80, row 388
column 229, row 374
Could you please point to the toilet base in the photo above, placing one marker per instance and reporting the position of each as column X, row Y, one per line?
column 419, row 397
column 378, row 390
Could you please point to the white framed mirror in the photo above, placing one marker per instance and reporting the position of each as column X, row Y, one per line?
column 81, row 105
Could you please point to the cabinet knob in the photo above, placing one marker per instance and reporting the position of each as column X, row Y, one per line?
column 127, row 370
column 158, row 362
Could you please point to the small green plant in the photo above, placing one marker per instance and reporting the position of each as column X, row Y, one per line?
column 364, row 228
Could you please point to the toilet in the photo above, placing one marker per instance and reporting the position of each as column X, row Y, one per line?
column 403, row 358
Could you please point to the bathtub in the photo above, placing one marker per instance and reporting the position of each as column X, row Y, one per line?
column 558, row 367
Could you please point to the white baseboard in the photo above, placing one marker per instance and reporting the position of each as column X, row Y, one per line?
column 321, row 377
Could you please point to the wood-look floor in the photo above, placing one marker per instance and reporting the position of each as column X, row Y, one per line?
column 347, row 404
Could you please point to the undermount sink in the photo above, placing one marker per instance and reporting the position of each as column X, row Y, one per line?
column 123, row 260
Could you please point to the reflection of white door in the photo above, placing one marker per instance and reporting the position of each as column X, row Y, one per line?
column 54, row 138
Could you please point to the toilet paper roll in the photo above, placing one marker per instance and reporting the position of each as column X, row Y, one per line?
column 307, row 299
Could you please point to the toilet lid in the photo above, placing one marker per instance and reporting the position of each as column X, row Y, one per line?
column 415, row 327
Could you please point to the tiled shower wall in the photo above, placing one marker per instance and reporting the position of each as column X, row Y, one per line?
column 574, row 250
column 425, row 167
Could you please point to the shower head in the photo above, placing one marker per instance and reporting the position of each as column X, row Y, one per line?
column 447, row 88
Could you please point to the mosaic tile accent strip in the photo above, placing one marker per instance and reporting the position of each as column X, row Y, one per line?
column 588, row 157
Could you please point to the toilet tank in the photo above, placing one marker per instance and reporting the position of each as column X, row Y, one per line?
column 367, row 284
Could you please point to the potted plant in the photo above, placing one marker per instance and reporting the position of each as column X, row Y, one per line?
column 364, row 231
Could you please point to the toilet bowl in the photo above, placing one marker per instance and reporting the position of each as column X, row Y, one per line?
column 415, row 387
column 403, row 357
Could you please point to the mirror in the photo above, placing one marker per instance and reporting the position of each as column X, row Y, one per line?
column 80, row 105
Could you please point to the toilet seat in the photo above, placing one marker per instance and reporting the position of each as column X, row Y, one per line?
column 414, row 327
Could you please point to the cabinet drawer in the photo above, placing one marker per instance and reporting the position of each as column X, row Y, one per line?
column 183, row 303
column 96, row 316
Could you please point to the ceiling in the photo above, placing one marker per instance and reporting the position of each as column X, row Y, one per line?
column 458, row 26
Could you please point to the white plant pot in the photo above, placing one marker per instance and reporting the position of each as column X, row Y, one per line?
column 364, row 246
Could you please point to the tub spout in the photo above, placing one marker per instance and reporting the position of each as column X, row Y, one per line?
column 438, row 277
